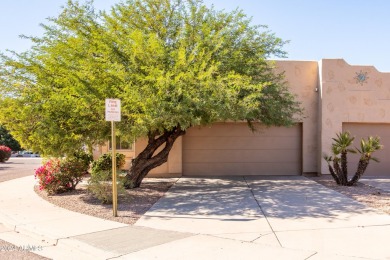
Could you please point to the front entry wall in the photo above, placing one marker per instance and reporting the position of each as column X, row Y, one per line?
column 351, row 94
column 232, row 149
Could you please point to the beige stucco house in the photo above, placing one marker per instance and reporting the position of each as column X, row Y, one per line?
column 336, row 96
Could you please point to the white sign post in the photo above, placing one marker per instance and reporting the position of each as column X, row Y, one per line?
column 113, row 114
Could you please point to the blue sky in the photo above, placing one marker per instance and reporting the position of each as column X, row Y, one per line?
column 356, row 30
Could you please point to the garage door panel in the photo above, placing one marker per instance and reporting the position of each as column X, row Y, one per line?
column 236, row 156
column 248, row 143
column 242, row 130
column 232, row 149
column 219, row 169
column 363, row 130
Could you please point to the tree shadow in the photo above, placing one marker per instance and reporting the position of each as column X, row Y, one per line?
column 223, row 197
column 293, row 197
column 298, row 197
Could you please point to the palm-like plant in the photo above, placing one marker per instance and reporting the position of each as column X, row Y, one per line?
column 334, row 174
column 340, row 148
column 367, row 148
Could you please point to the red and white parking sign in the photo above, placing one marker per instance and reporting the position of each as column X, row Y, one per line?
column 113, row 110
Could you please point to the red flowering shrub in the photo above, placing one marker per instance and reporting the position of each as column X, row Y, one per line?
column 5, row 153
column 57, row 176
column 47, row 175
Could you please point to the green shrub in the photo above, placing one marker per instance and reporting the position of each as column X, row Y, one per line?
column 101, row 188
column 83, row 157
column 104, row 164
column 5, row 153
column 100, row 183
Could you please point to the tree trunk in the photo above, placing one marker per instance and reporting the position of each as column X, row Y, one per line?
column 146, row 160
column 338, row 173
column 344, row 168
column 362, row 166
column 334, row 175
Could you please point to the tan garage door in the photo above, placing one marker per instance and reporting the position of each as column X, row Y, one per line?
column 232, row 149
column 360, row 130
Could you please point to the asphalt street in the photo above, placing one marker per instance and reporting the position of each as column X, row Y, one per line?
column 17, row 167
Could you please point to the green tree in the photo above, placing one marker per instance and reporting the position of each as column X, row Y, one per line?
column 8, row 140
column 174, row 64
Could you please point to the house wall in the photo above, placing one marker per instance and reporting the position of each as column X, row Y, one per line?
column 302, row 80
column 344, row 98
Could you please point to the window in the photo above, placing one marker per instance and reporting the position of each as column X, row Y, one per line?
column 121, row 144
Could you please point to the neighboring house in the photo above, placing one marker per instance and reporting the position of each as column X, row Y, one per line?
column 335, row 96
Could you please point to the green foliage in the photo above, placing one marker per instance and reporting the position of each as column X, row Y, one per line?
column 342, row 142
column 83, row 157
column 104, row 164
column 100, row 183
column 5, row 153
column 101, row 187
column 72, row 171
column 8, row 140
column 368, row 147
column 172, row 63
column 328, row 158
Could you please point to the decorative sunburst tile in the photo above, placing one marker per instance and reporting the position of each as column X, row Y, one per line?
column 361, row 77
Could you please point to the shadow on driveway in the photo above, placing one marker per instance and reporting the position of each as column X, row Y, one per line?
column 251, row 196
column 211, row 197
column 298, row 197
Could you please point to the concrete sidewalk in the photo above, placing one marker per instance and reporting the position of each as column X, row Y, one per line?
column 226, row 218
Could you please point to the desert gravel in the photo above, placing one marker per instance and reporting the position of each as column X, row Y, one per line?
column 364, row 193
column 131, row 206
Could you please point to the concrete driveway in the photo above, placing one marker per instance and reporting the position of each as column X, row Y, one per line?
column 296, row 217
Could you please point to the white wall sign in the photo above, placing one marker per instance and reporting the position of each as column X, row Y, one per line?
column 113, row 110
